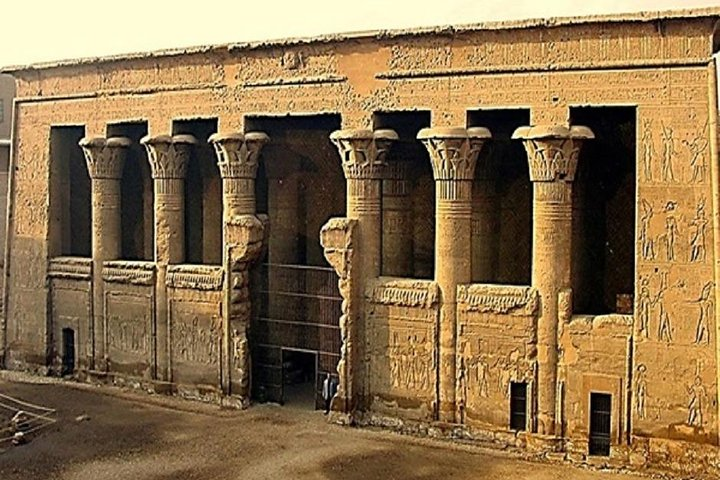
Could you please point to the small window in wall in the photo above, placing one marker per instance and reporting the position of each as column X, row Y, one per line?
column 502, row 201
column 70, row 217
column 136, row 192
column 518, row 405
column 408, row 218
column 600, row 408
column 203, row 195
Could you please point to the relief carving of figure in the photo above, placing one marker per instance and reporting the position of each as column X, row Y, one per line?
column 698, row 161
column 664, row 327
column 647, row 243
column 702, row 331
column 698, row 226
column 645, row 303
column 482, row 377
column 671, row 231
column 462, row 388
column 667, row 173
column 697, row 398
column 640, row 391
column 648, row 150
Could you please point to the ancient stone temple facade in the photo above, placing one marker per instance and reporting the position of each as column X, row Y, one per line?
column 505, row 231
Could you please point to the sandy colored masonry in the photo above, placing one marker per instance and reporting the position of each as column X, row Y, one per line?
column 506, row 231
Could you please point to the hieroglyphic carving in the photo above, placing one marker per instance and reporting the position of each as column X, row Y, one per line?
column 698, row 228
column 671, row 231
column 128, row 335
column 195, row 277
column 503, row 299
column 664, row 325
column 72, row 268
column 647, row 242
column 336, row 238
column 195, row 342
column 666, row 160
column 131, row 272
column 697, row 146
column 410, row 361
column 697, row 399
column 648, row 150
column 408, row 293
column 706, row 307
column 640, row 391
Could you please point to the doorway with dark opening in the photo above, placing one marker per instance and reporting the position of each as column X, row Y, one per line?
column 68, row 351
column 600, row 413
column 299, row 375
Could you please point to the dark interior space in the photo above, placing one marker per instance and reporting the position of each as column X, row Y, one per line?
column 136, row 192
column 421, row 201
column 203, row 195
column 604, row 211
column 299, row 378
column 300, row 185
column 70, row 205
column 503, row 167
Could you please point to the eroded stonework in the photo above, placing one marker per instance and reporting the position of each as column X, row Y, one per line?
column 504, row 231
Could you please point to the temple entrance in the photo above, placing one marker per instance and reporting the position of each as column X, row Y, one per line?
column 295, row 330
column 68, row 351
column 600, row 424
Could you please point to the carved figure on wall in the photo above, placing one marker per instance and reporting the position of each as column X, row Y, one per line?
column 239, row 352
column 702, row 331
column 664, row 327
column 461, row 388
column 697, row 398
column 409, row 363
column 640, row 391
column 671, row 231
column 698, row 227
column 648, row 150
column 698, row 161
column 645, row 303
column 482, row 374
column 667, row 173
column 647, row 243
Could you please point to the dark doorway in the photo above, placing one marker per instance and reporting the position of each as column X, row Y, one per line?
column 299, row 373
column 68, row 351
column 518, row 405
column 600, row 407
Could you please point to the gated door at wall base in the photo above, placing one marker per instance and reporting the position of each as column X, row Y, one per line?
column 600, row 414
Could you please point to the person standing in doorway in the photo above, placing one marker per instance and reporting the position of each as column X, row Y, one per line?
column 328, row 391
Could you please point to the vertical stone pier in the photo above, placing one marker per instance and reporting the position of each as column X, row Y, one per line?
column 485, row 216
column 397, row 251
column 169, row 158
column 363, row 155
column 453, row 153
column 243, row 236
column 105, row 159
column 552, row 156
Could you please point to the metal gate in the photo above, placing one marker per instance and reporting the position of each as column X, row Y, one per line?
column 600, row 408
column 296, row 307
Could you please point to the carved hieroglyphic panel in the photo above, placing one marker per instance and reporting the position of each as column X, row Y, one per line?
column 129, row 330
column 401, row 346
column 496, row 346
column 195, row 340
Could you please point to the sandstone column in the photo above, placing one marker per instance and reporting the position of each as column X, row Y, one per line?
column 243, row 235
column 397, row 251
column 485, row 222
column 453, row 153
column 105, row 160
column 363, row 154
column 552, row 156
column 168, row 157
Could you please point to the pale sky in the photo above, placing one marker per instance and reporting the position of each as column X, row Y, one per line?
column 45, row 30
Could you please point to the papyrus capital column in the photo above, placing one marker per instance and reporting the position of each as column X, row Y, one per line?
column 105, row 159
column 363, row 155
column 169, row 158
column 453, row 153
column 243, row 235
column 552, row 157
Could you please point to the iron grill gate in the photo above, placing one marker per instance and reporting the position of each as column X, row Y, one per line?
column 518, row 405
column 296, row 307
column 600, row 408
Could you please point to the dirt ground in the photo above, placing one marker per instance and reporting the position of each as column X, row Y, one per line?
column 136, row 436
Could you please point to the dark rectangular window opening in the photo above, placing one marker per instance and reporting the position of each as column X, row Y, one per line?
column 203, row 195
column 502, row 201
column 68, row 351
column 136, row 192
column 408, row 237
column 518, row 405
column 600, row 414
column 70, row 207
column 603, row 242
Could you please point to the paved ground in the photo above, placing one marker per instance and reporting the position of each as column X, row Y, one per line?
column 138, row 437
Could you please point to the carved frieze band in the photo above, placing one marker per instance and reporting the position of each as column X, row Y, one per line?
column 237, row 154
column 363, row 152
column 71, row 268
column 454, row 150
column 553, row 150
column 134, row 273
column 105, row 158
column 169, row 156
column 403, row 292
column 195, row 277
column 504, row 299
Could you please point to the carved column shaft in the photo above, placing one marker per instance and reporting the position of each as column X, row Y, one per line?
column 363, row 154
column 243, row 234
column 169, row 158
column 105, row 160
column 397, row 234
column 484, row 224
column 552, row 157
column 453, row 153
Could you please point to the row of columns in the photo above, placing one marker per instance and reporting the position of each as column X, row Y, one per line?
column 552, row 158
